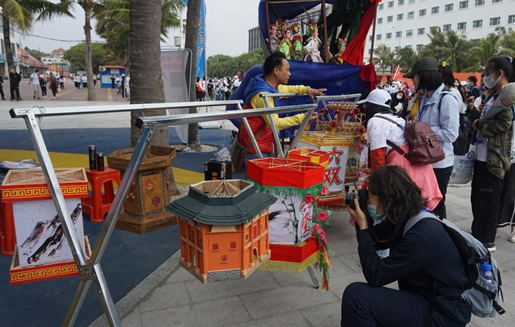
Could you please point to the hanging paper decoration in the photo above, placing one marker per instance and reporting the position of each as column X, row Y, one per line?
column 294, row 242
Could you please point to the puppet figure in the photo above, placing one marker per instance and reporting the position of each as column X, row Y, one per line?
column 313, row 44
column 337, row 58
column 285, row 46
column 274, row 39
column 296, row 41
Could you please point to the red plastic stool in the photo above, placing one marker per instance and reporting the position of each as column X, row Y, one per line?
column 99, row 203
column 7, row 233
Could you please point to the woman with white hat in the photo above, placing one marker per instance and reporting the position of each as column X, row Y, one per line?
column 386, row 132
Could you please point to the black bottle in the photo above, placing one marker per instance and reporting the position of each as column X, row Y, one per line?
column 92, row 157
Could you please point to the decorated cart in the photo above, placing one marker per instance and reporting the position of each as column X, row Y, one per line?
column 324, row 44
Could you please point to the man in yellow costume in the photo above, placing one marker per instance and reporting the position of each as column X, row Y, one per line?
column 276, row 74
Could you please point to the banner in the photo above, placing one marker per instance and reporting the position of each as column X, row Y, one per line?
column 201, row 43
column 397, row 71
column 173, row 69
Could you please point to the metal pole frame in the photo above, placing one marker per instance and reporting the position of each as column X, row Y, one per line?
column 373, row 32
column 301, row 129
column 92, row 270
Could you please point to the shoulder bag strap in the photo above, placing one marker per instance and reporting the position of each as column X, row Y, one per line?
column 258, row 134
column 410, row 223
column 394, row 146
column 418, row 217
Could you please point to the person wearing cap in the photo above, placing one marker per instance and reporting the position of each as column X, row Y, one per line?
column 493, row 183
column 276, row 74
column 382, row 128
column 441, row 111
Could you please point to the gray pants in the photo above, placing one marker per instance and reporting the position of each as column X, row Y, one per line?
column 36, row 90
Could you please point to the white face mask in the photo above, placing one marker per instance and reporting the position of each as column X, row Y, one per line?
column 490, row 82
column 399, row 96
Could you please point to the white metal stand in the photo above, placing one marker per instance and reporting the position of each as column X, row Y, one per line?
column 92, row 271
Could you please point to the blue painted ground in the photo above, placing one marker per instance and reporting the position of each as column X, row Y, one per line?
column 129, row 257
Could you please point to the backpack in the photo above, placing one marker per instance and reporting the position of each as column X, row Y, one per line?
column 424, row 148
column 462, row 143
column 480, row 294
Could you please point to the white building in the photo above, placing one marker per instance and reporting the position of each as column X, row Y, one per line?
column 14, row 47
column 254, row 38
column 176, row 36
column 406, row 23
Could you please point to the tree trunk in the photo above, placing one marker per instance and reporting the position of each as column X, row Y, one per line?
column 7, row 40
column 192, row 26
column 145, row 62
column 88, row 6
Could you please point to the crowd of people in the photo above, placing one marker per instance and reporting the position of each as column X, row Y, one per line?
column 44, row 82
column 39, row 81
column 493, row 184
column 216, row 88
column 398, row 191
column 122, row 83
column 424, row 260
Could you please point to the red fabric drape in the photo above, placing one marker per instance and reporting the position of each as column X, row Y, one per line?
column 353, row 54
column 369, row 76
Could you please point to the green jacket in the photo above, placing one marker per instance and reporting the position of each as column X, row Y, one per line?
column 496, row 126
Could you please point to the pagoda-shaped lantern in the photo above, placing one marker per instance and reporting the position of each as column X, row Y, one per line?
column 223, row 228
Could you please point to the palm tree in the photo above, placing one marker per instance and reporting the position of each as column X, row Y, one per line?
column 448, row 46
column 384, row 57
column 21, row 14
column 87, row 5
column 456, row 50
column 192, row 27
column 145, row 54
column 507, row 43
column 405, row 58
column 435, row 47
column 484, row 50
column 113, row 23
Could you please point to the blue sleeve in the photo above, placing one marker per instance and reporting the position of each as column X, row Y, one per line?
column 448, row 130
column 414, row 253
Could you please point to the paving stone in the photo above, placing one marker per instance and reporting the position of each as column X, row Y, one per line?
column 285, row 299
column 166, row 296
column 180, row 275
column 505, row 320
column 297, row 279
column 293, row 319
column 510, row 265
column 342, row 247
column 327, row 315
column 339, row 268
column 339, row 283
column 281, row 299
column 133, row 319
column 258, row 281
column 220, row 313
column 177, row 317
column 352, row 261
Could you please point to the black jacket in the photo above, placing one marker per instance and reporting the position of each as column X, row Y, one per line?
column 14, row 79
column 416, row 259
